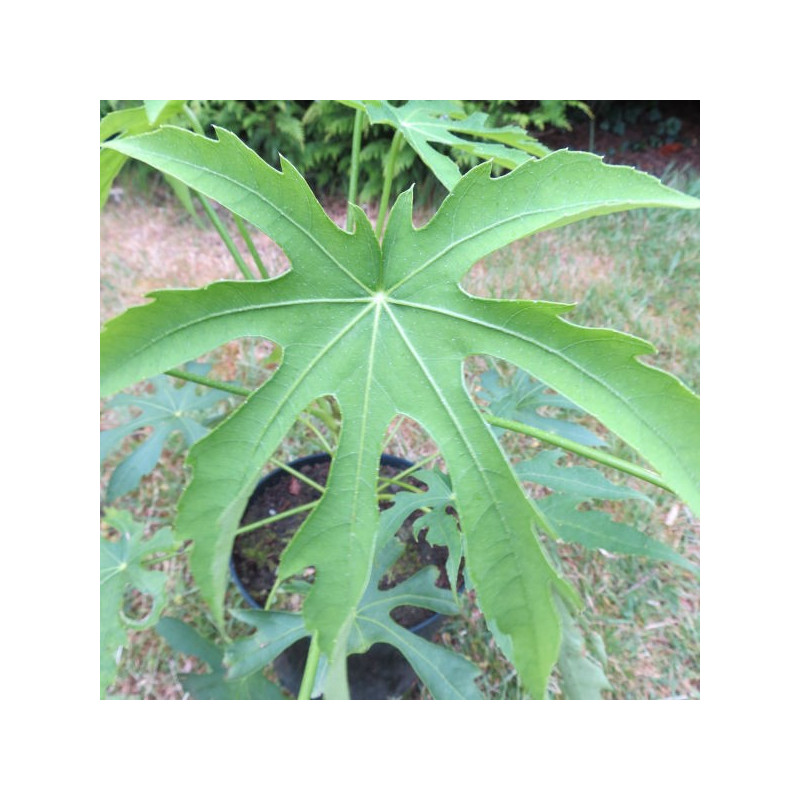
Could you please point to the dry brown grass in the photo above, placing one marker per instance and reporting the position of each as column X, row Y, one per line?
column 148, row 247
column 581, row 269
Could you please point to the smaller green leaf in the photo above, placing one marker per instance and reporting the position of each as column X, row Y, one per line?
column 448, row 675
column 594, row 529
column 129, row 122
column 124, row 121
column 597, row 530
column 442, row 527
column 578, row 482
column 159, row 111
column 523, row 398
column 185, row 639
column 142, row 461
column 214, row 685
column 442, row 122
column 166, row 410
column 122, row 567
column 275, row 631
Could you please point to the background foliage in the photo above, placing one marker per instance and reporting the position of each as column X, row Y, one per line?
column 315, row 136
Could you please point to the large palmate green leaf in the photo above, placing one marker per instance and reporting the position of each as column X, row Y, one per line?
column 424, row 123
column 385, row 328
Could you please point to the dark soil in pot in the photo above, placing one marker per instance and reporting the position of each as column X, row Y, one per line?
column 382, row 672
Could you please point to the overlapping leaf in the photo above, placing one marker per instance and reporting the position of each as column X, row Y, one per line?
column 441, row 526
column 385, row 329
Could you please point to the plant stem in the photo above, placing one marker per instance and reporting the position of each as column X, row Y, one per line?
column 322, row 440
column 198, row 128
column 225, row 236
column 250, row 246
column 323, row 416
column 225, row 387
column 389, row 481
column 310, row 672
column 407, row 486
column 283, row 515
column 215, row 220
column 297, row 474
column 354, row 157
column 581, row 450
column 388, row 175
column 390, row 435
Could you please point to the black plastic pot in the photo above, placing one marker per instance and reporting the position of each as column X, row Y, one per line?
column 382, row 673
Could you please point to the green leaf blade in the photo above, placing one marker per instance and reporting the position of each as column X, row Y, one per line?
column 275, row 631
column 217, row 684
column 579, row 482
column 596, row 530
column 442, row 122
column 582, row 677
column 122, row 567
column 280, row 204
column 484, row 214
column 597, row 369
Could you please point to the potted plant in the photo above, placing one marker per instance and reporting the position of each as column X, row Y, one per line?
column 374, row 317
column 275, row 511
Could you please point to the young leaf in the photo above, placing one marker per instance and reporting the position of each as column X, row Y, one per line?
column 521, row 399
column 427, row 122
column 214, row 685
column 385, row 329
column 441, row 526
column 582, row 483
column 448, row 675
column 597, row 530
column 275, row 631
column 594, row 529
column 121, row 567
column 129, row 122
column 166, row 410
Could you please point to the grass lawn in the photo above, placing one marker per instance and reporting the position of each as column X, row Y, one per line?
column 636, row 272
